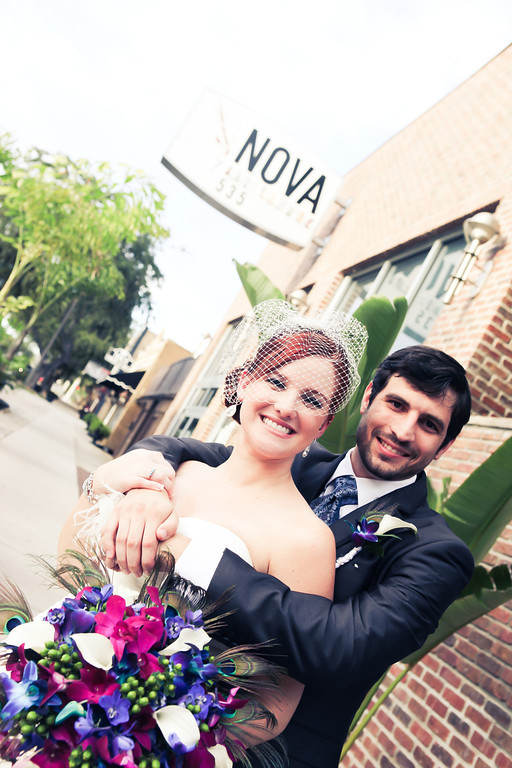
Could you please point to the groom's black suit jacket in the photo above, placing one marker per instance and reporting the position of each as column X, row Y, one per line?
column 383, row 608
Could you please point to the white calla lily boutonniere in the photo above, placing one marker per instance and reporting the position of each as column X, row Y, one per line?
column 369, row 531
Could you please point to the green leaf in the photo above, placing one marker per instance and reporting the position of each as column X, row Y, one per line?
column 481, row 507
column 256, row 284
column 463, row 611
column 383, row 320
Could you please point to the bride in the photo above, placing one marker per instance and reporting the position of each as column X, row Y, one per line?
column 287, row 376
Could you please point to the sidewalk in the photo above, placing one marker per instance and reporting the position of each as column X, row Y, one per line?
column 45, row 454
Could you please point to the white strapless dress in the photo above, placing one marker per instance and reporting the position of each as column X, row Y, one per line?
column 128, row 585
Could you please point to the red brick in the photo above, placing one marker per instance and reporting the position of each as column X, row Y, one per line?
column 418, row 710
column 439, row 728
column 501, row 739
column 442, row 755
column 421, row 734
column 422, row 759
column 454, row 699
column 437, row 705
column 478, row 718
column 462, row 749
column 433, row 682
column 502, row 761
column 499, row 716
column 403, row 739
column 471, row 693
column 482, row 744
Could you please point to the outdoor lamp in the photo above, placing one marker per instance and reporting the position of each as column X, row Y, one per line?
column 298, row 299
column 480, row 229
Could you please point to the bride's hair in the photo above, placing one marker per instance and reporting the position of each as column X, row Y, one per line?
column 287, row 348
column 273, row 333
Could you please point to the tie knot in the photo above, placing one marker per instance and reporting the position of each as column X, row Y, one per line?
column 327, row 507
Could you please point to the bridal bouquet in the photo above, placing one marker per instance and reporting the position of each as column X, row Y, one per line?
column 100, row 682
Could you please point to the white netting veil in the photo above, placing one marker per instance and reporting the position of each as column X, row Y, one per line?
column 326, row 350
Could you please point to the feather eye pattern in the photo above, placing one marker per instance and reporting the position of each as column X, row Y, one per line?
column 13, row 604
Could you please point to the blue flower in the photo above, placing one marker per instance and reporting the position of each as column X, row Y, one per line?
column 194, row 619
column 364, row 532
column 55, row 616
column 97, row 595
column 173, row 626
column 199, row 699
column 27, row 693
column 116, row 708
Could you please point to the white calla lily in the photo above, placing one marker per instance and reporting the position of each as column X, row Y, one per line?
column 178, row 722
column 32, row 634
column 390, row 523
column 196, row 637
column 96, row 649
column 220, row 753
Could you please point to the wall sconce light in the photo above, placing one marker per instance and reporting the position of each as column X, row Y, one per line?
column 480, row 229
column 298, row 299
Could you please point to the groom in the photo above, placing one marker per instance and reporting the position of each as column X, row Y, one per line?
column 384, row 607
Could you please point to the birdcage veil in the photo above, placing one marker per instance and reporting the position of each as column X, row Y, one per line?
column 274, row 333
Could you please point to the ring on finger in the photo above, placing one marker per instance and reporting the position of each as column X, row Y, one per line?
column 151, row 473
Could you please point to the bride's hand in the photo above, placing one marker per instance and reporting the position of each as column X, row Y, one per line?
column 137, row 469
column 129, row 538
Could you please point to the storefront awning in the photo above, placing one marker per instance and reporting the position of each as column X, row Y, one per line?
column 122, row 381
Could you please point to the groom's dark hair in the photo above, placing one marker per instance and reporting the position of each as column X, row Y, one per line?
column 432, row 372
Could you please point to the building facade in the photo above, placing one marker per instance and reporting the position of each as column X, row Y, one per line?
column 397, row 229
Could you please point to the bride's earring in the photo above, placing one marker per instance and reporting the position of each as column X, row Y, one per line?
column 230, row 411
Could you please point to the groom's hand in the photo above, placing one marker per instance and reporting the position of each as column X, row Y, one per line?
column 129, row 538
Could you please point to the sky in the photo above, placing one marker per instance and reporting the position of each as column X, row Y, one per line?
column 113, row 80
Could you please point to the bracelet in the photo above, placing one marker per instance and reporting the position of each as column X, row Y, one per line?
column 87, row 489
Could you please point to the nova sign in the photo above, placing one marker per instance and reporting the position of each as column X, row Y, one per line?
column 252, row 171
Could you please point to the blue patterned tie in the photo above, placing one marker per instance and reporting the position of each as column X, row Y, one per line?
column 327, row 507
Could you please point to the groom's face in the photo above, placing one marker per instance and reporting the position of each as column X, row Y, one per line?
column 401, row 431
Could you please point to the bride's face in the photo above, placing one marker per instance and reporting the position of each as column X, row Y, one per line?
column 289, row 407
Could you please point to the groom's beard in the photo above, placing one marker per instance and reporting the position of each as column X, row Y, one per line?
column 384, row 467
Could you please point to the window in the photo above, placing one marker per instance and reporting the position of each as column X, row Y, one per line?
column 202, row 394
column 420, row 275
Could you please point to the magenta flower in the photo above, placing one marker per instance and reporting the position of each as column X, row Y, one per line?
column 93, row 684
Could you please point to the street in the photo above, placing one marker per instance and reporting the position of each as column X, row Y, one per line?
column 45, row 454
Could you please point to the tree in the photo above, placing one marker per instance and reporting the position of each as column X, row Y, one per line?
column 65, row 221
column 95, row 320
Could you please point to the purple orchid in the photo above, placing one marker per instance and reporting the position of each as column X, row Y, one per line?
column 174, row 625
column 364, row 532
column 197, row 697
column 116, row 708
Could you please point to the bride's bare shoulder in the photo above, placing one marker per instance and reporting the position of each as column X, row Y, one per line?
column 192, row 468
